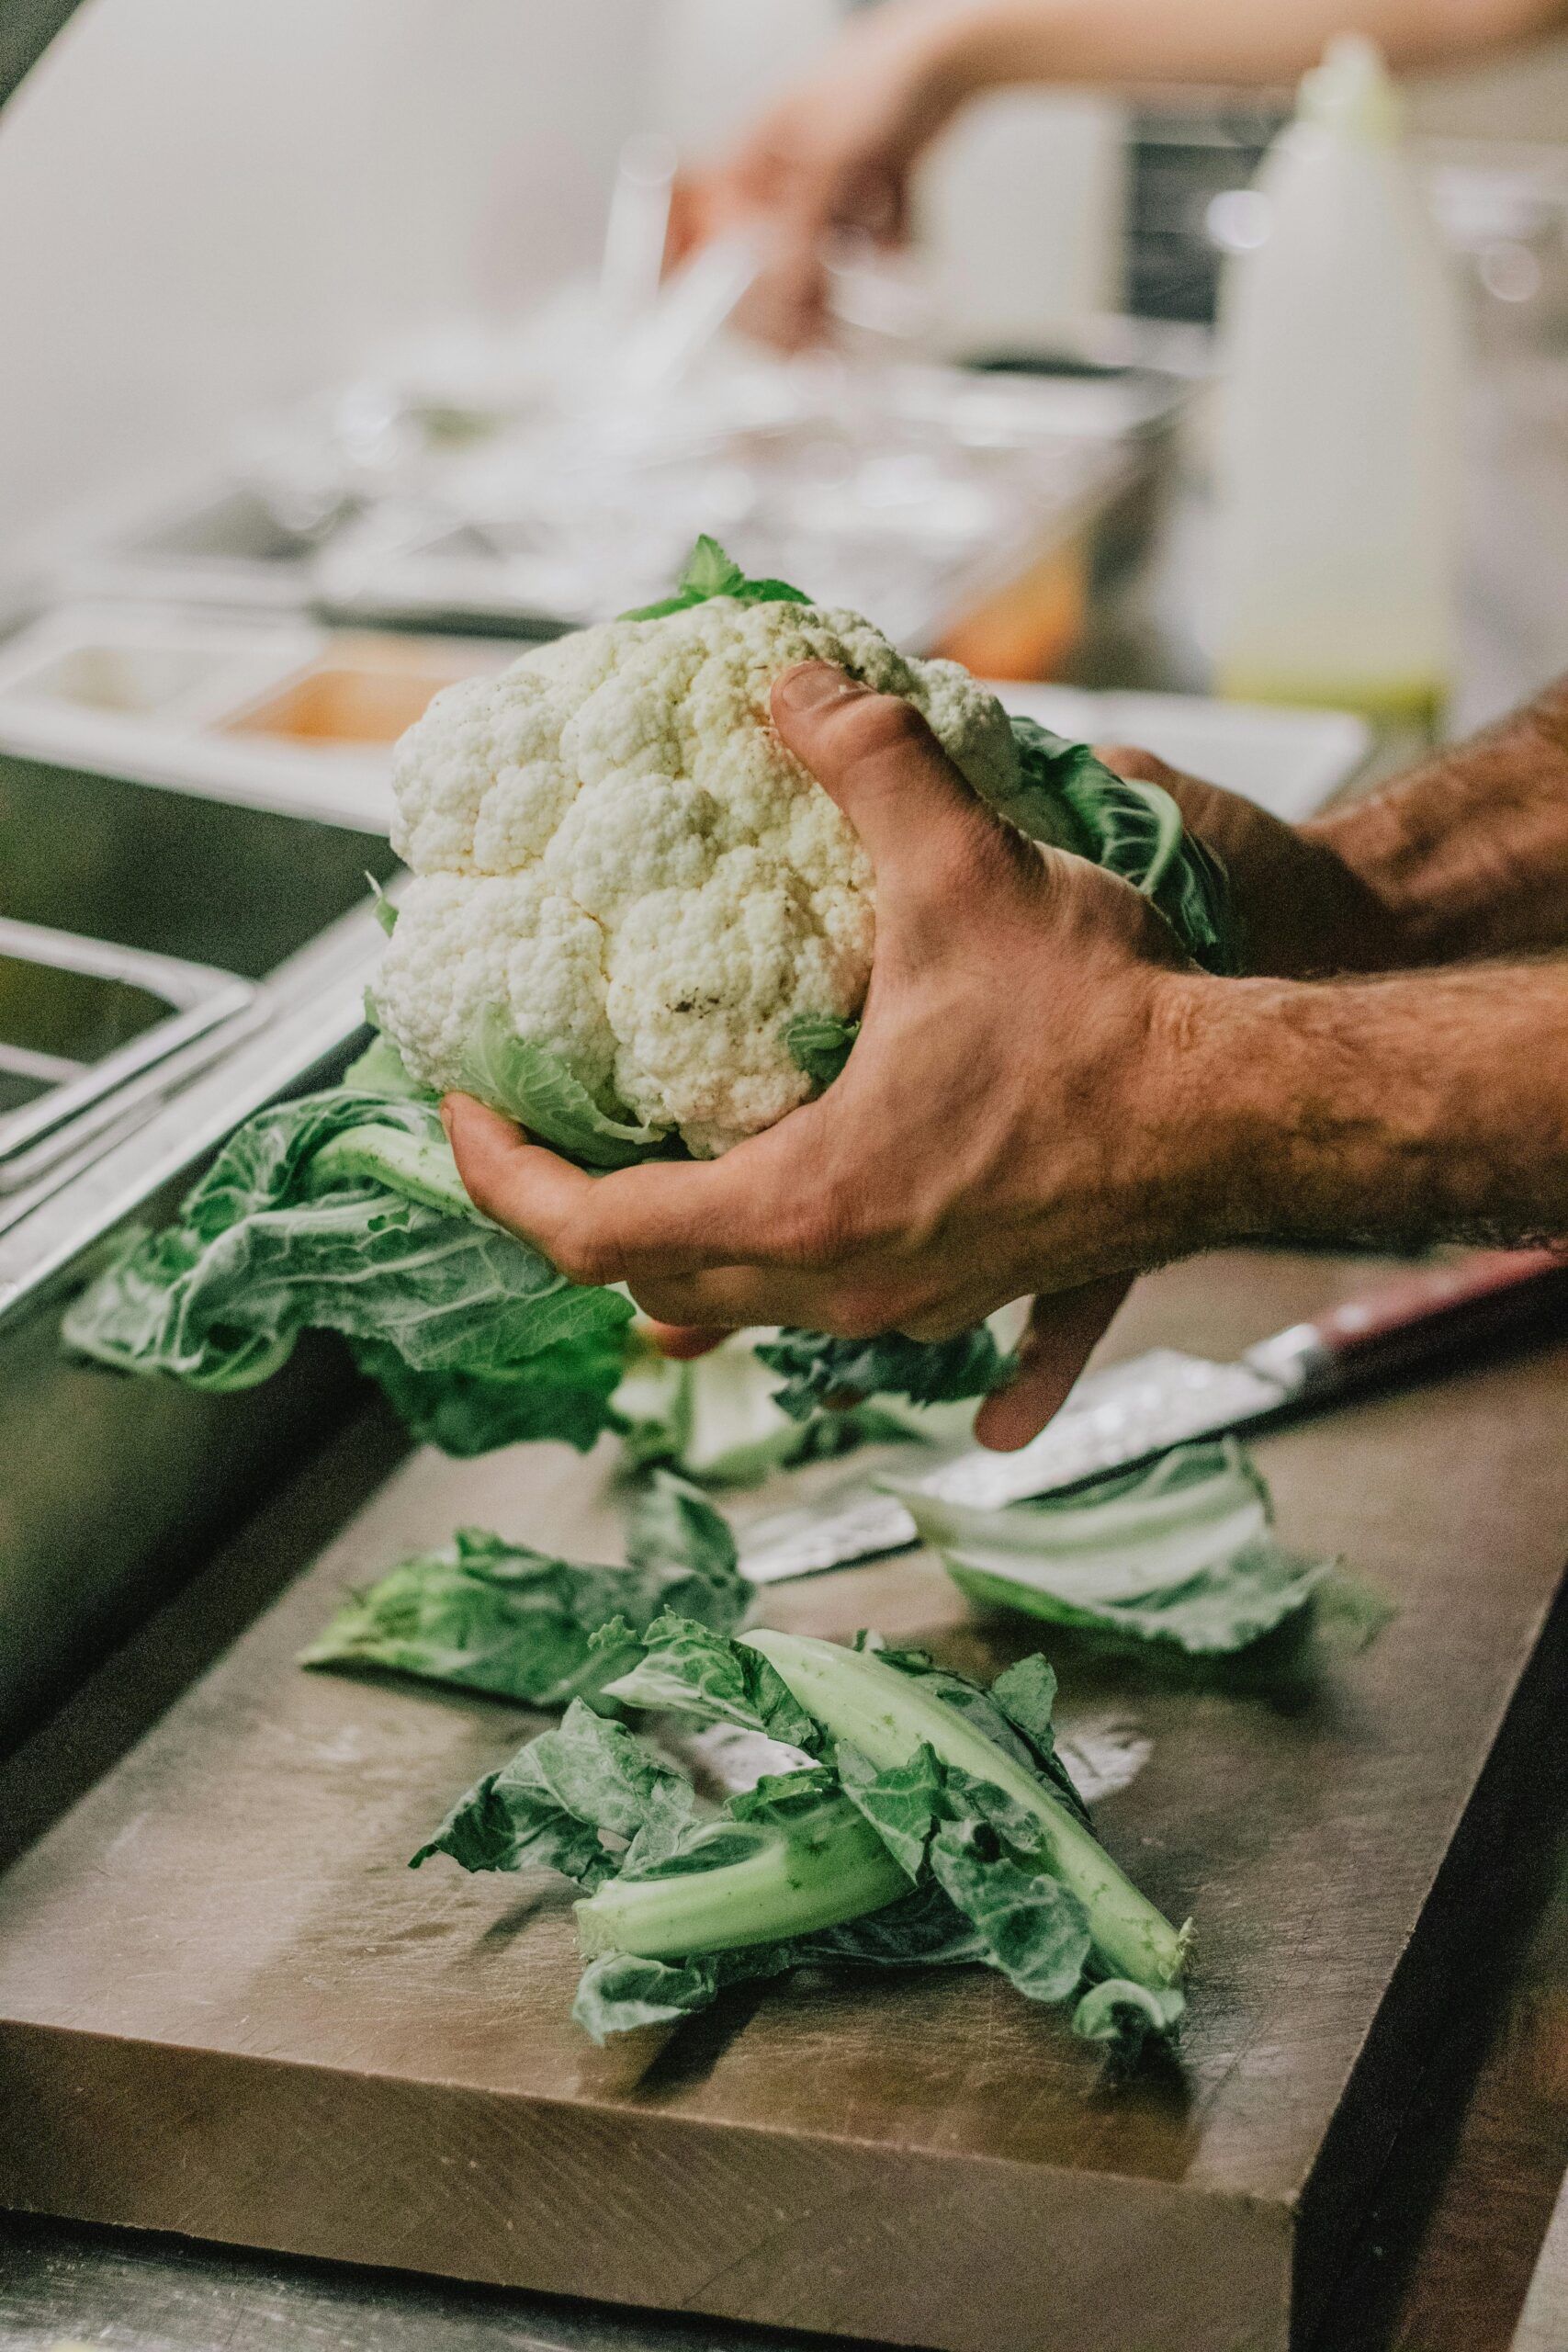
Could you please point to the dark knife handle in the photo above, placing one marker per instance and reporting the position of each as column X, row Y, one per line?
column 1436, row 1311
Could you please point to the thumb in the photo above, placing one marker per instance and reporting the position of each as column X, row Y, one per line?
column 920, row 823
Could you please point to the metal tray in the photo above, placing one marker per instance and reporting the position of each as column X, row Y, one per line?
column 238, row 709
column 85, row 1027
column 111, row 1489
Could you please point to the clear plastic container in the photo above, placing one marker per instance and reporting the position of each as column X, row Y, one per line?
column 1338, row 448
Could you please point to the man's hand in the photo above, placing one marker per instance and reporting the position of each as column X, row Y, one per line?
column 1064, row 1331
column 1013, row 1119
column 1045, row 1098
column 1464, row 857
column 1305, row 912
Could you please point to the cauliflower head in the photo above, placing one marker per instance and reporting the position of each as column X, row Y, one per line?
column 616, row 860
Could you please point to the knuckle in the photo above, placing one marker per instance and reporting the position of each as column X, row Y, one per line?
column 814, row 1235
column 840, row 1226
column 935, row 1323
column 673, row 1304
column 860, row 1315
column 586, row 1257
column 871, row 725
column 986, row 863
column 491, row 1198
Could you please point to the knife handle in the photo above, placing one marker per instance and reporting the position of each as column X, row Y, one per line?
column 1421, row 1317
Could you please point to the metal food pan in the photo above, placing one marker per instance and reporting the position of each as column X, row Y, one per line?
column 81, row 1020
column 239, row 711
column 112, row 1490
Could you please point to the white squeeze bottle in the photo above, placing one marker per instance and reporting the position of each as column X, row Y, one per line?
column 1339, row 456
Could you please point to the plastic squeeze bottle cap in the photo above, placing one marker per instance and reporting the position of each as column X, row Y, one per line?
column 1351, row 95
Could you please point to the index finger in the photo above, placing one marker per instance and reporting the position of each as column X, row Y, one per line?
column 673, row 1216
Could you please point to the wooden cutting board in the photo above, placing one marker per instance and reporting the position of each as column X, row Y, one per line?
column 226, row 2009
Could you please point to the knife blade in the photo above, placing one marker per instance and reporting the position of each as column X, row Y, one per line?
column 1132, row 1412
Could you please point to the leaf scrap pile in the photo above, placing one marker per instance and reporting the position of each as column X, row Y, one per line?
column 482, row 1614
column 924, row 1821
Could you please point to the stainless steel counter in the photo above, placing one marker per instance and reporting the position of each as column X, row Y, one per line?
column 155, row 2295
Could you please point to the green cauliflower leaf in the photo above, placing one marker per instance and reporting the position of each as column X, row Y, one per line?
column 1181, row 1554
column 484, row 1614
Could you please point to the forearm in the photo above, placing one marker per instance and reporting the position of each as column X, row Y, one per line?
column 1423, row 1107
column 1469, row 856
column 992, row 42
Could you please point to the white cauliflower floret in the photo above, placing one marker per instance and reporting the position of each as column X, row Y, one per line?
column 463, row 943
column 610, row 843
column 704, row 982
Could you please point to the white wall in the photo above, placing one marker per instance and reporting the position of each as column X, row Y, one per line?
column 715, row 64
column 207, row 204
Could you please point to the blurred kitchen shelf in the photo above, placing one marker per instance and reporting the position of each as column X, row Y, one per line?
column 247, row 711
column 303, row 721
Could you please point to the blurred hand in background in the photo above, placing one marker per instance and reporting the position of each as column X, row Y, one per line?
column 832, row 157
column 837, row 153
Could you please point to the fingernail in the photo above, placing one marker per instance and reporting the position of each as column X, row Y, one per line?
column 811, row 684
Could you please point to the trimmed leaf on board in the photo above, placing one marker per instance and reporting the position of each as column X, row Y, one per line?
column 482, row 1614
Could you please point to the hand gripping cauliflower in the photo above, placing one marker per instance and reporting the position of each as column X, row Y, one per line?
column 618, row 866
column 636, row 925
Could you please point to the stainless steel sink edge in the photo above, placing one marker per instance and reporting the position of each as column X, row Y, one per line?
column 113, row 1490
column 308, row 1010
column 85, row 1095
